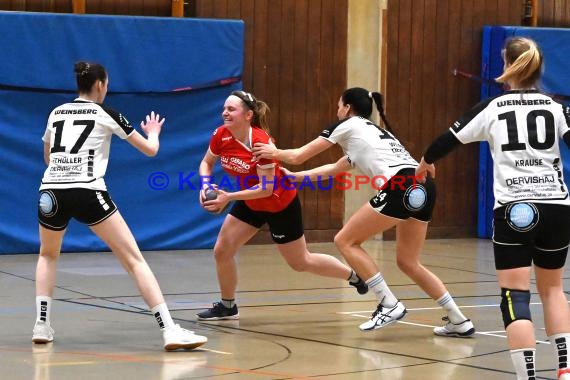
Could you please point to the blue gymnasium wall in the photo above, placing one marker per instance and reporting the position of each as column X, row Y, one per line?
column 555, row 46
column 146, row 58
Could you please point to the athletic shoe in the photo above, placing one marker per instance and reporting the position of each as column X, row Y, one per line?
column 218, row 312
column 384, row 316
column 564, row 374
column 360, row 286
column 175, row 337
column 464, row 329
column 43, row 333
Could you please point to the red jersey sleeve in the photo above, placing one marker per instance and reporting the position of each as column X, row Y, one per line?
column 215, row 141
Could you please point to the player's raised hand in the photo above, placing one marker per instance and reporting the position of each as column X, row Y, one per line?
column 153, row 124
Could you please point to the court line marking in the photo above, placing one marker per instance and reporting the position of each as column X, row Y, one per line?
column 216, row 351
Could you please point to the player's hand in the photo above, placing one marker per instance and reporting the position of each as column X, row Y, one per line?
column 292, row 176
column 219, row 204
column 287, row 172
column 423, row 170
column 202, row 193
column 153, row 124
column 267, row 151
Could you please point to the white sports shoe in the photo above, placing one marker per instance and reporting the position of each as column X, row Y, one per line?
column 384, row 316
column 464, row 329
column 43, row 333
column 176, row 337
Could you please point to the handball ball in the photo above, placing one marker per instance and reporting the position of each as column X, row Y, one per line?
column 210, row 194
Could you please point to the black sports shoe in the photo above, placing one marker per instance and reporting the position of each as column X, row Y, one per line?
column 218, row 312
column 360, row 286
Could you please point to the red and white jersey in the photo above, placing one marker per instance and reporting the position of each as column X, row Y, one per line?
column 79, row 134
column 237, row 160
column 375, row 152
column 524, row 129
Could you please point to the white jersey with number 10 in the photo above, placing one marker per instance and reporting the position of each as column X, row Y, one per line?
column 523, row 129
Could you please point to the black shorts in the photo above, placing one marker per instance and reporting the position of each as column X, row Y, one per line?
column 403, row 197
column 526, row 233
column 285, row 225
column 57, row 206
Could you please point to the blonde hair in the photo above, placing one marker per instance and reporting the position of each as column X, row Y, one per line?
column 524, row 62
column 260, row 109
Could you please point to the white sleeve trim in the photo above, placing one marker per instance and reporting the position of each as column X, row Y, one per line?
column 266, row 166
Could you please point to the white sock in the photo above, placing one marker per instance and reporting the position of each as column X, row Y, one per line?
column 523, row 360
column 382, row 291
column 560, row 344
column 353, row 277
column 43, row 308
column 162, row 316
column 448, row 304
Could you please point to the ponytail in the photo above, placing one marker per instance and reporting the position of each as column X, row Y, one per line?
column 524, row 61
column 360, row 100
column 378, row 99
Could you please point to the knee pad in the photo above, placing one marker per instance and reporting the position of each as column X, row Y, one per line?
column 515, row 305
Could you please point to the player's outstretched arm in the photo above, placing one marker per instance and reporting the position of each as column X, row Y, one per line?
column 315, row 174
column 292, row 156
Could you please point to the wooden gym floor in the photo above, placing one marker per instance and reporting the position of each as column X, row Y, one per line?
column 292, row 326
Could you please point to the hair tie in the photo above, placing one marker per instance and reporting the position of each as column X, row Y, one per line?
column 369, row 94
column 85, row 70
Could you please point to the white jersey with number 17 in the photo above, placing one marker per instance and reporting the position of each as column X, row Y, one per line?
column 79, row 135
column 523, row 129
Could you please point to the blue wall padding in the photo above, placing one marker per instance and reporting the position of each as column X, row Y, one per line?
column 143, row 54
column 146, row 58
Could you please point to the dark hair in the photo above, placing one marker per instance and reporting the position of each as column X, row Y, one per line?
column 260, row 109
column 525, row 60
column 361, row 99
column 87, row 73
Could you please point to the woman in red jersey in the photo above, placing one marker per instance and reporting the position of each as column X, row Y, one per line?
column 265, row 197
